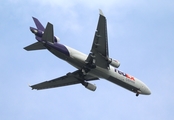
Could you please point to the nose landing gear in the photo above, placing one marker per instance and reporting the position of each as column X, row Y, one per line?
column 138, row 92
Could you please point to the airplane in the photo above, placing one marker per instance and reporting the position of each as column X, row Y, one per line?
column 94, row 66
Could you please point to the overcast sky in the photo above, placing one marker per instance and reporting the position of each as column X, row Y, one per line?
column 141, row 37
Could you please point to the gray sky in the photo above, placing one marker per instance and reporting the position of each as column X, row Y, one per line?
column 141, row 37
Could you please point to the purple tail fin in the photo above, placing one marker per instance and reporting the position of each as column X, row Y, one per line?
column 38, row 24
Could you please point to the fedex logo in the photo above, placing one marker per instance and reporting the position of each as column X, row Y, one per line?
column 125, row 74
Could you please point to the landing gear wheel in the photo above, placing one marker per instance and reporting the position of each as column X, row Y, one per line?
column 137, row 94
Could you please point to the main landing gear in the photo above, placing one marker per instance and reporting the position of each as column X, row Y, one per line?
column 89, row 64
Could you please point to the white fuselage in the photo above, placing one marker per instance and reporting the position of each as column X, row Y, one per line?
column 95, row 65
column 77, row 59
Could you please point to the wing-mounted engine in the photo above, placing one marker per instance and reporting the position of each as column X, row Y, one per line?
column 114, row 63
column 89, row 86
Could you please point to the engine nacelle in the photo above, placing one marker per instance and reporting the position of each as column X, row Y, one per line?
column 90, row 86
column 56, row 39
column 114, row 63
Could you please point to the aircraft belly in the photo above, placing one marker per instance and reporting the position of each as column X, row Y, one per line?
column 122, row 84
column 97, row 72
column 78, row 60
column 71, row 61
column 113, row 77
column 77, row 64
column 58, row 54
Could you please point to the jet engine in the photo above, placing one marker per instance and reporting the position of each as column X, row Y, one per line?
column 114, row 63
column 90, row 86
column 56, row 39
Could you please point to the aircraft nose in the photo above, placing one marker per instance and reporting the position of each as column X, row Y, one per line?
column 147, row 91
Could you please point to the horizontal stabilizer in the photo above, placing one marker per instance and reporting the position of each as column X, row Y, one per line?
column 35, row 46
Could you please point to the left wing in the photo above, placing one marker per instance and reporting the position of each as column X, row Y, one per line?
column 100, row 44
column 69, row 79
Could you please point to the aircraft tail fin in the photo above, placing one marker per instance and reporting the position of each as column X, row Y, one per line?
column 35, row 46
column 38, row 24
column 48, row 33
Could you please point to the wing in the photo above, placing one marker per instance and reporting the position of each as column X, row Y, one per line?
column 100, row 44
column 69, row 79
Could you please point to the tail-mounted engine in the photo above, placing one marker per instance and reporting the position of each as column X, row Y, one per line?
column 56, row 39
column 114, row 63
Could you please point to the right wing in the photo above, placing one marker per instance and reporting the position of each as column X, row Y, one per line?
column 100, row 44
column 69, row 79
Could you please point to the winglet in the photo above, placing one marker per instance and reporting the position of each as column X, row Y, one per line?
column 48, row 33
column 101, row 13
